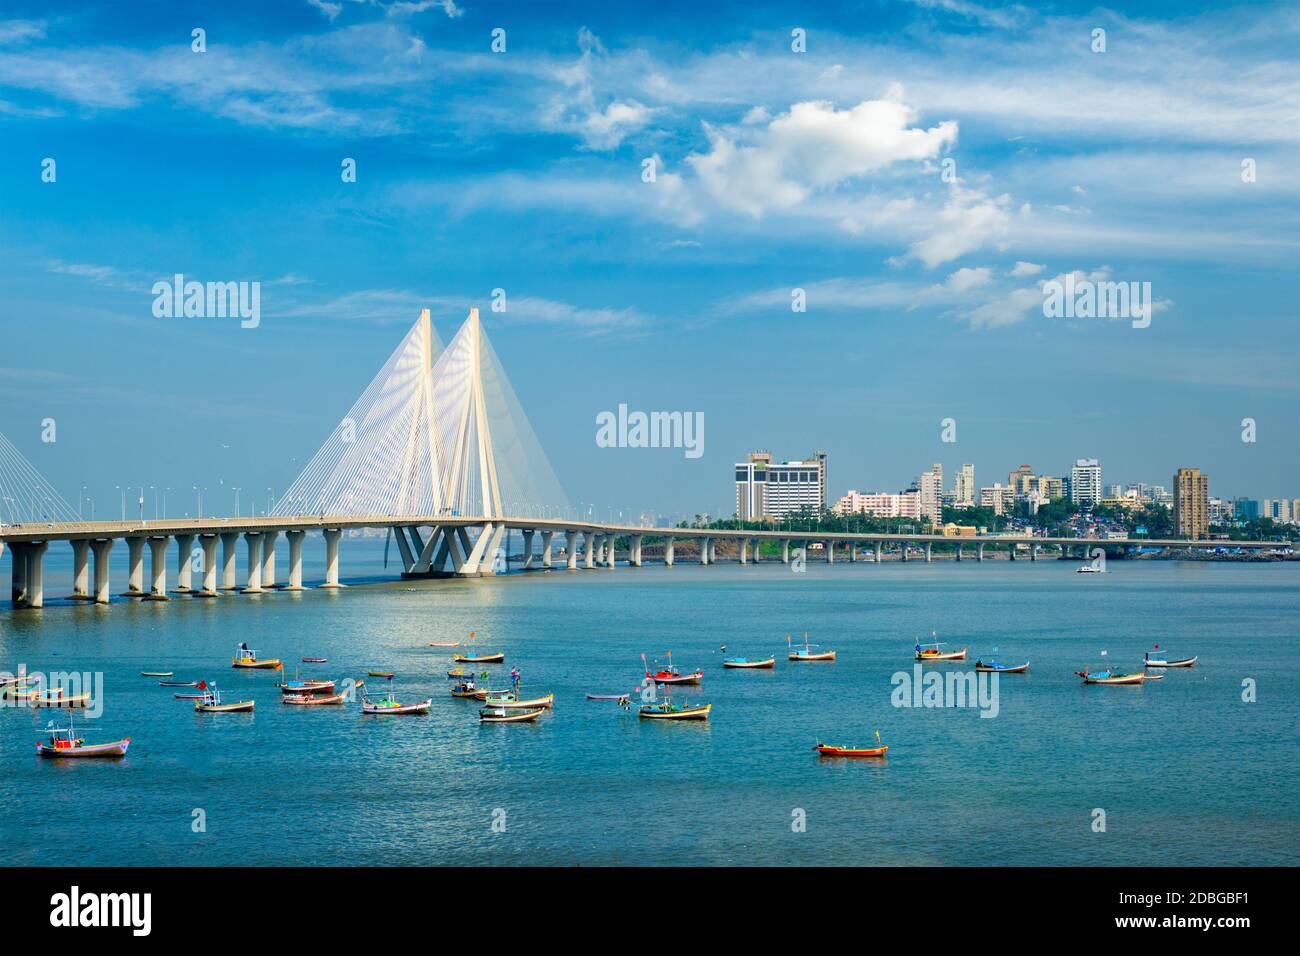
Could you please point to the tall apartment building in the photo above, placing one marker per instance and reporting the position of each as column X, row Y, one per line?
column 882, row 504
column 1191, row 503
column 1001, row 498
column 1279, row 509
column 1021, row 481
column 964, row 491
column 765, row 489
column 930, row 485
column 1085, row 482
column 1050, row 488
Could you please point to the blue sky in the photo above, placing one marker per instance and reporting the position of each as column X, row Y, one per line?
column 521, row 170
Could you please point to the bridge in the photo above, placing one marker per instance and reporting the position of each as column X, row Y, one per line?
column 437, row 451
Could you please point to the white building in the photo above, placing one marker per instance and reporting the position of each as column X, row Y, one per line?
column 1085, row 482
column 882, row 504
column 765, row 489
column 964, row 492
column 930, row 485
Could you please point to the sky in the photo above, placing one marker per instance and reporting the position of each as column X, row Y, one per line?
column 919, row 170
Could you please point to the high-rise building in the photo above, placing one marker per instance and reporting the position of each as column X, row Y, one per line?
column 1085, row 482
column 1021, row 481
column 882, row 504
column 1246, row 509
column 1050, row 488
column 930, row 485
column 964, row 491
column 1191, row 503
column 1279, row 509
column 765, row 489
column 1001, row 498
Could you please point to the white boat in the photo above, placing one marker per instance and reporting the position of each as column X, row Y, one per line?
column 1150, row 661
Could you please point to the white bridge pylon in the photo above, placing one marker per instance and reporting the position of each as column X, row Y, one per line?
column 437, row 433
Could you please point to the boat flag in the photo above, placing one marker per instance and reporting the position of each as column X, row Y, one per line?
column 877, row 736
column 203, row 685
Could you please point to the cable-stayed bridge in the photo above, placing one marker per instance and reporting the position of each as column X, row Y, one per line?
column 438, row 450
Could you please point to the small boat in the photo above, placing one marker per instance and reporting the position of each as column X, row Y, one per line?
column 997, row 667
column 667, row 710
column 1154, row 677
column 385, row 674
column 931, row 652
column 21, row 694
column 65, row 743
column 211, row 703
column 315, row 660
column 7, row 680
column 1162, row 660
column 1088, row 569
column 670, row 674
column 57, row 697
column 807, row 654
column 826, row 750
column 608, row 696
column 315, row 699
column 745, row 662
column 1109, row 677
column 456, row 673
column 246, row 658
column 388, row 705
column 157, row 674
column 190, row 696
column 464, row 689
column 512, row 701
column 306, row 686
column 444, row 643
column 178, row 683
column 496, row 658
column 506, row 715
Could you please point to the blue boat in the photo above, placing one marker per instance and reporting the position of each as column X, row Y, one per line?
column 997, row 667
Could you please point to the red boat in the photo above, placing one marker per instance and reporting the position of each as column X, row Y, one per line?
column 826, row 750
column 670, row 675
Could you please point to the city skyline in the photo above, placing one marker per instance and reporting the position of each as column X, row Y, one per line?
column 821, row 172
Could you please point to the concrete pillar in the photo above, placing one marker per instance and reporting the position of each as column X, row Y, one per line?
column 589, row 549
column 571, row 549
column 979, row 556
column 609, row 550
column 18, row 570
column 546, row 548
column 268, row 558
column 295, row 559
column 81, row 570
column 705, row 544
column 903, row 552
column 528, row 549
column 959, row 551
column 758, row 547
column 742, row 550
column 184, row 544
column 229, row 556
column 134, row 568
column 635, row 556
column 158, row 565
column 785, row 551
column 35, row 555
column 332, row 536
column 254, row 541
column 209, row 544
column 669, row 546
column 829, row 547
column 1011, row 552
column 853, row 551
column 1033, row 551
column 101, row 550
column 928, row 556
column 880, row 551
column 713, row 551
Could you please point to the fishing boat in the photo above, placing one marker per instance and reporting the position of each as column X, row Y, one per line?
column 178, row 683
column 932, row 652
column 667, row 710
column 496, row 658
column 190, row 696
column 247, row 659
column 1150, row 677
column 608, row 696
column 456, row 673
column 20, row 693
column 506, row 715
column 315, row 660
column 670, row 675
column 1088, row 569
column 745, row 662
column 315, row 699
column 65, row 743
column 211, row 703
column 58, row 697
column 388, row 705
column 997, row 667
column 1109, row 677
column 464, row 689
column 826, row 750
column 444, row 643
column 807, row 654
column 1162, row 660
column 385, row 674
column 512, row 701
column 307, row 686
column 157, row 674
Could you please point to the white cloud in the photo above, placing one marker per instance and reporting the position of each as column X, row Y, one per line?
column 811, row 147
column 968, row 220
column 330, row 10
column 1023, row 268
column 575, row 108
column 20, row 31
column 965, row 279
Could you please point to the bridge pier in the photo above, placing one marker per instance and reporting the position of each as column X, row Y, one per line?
column 134, row 567
column 928, row 556
column 705, row 544
column 959, row 551
column 80, row 570
column 830, row 552
column 571, row 550
column 332, row 536
column 268, row 558
column 528, row 548
column 609, row 550
column 880, row 551
column 295, row 559
column 184, row 568
column 209, row 544
column 18, row 574
column 1033, row 551
column 669, row 546
column 589, row 549
column 853, row 552
column 158, row 565
column 546, row 548
column 758, row 547
column 742, row 550
column 980, row 551
column 35, row 597
column 229, row 547
column 713, row 551
column 101, row 550
column 1011, row 552
column 634, row 557
column 785, row 550
column 254, row 541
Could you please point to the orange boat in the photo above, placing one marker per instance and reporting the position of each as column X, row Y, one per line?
column 670, row 675
column 931, row 652
column 826, row 750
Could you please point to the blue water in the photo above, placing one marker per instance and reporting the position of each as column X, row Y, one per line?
column 1186, row 772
